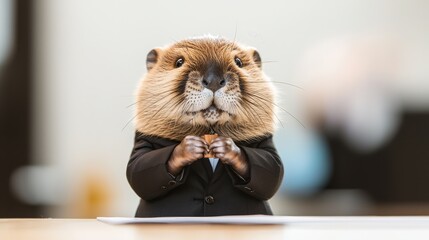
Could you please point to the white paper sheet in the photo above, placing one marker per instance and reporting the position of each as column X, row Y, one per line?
column 263, row 219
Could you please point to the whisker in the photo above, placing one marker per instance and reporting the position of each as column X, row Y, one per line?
column 266, row 105
column 255, row 111
column 135, row 103
column 153, row 94
column 270, row 62
column 290, row 114
column 235, row 33
column 276, row 82
column 155, row 102
column 129, row 121
column 161, row 108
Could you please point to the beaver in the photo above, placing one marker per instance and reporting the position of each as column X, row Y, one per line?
column 203, row 84
column 192, row 88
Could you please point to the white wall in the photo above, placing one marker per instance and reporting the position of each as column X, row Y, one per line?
column 89, row 56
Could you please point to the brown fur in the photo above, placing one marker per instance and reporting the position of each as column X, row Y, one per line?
column 172, row 102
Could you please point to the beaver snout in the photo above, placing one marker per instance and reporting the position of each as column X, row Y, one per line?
column 213, row 78
column 213, row 82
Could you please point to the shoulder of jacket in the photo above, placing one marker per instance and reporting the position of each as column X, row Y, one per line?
column 139, row 136
column 256, row 140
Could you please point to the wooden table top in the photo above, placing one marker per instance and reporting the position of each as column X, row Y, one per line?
column 46, row 229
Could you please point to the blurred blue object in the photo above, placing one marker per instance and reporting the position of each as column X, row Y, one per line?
column 306, row 161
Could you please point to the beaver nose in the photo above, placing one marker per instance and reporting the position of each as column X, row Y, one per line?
column 213, row 82
column 213, row 76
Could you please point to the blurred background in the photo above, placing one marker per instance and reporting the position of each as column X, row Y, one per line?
column 354, row 73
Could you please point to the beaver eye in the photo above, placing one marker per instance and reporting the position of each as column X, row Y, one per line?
column 179, row 62
column 238, row 62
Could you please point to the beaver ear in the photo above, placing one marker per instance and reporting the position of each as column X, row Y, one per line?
column 152, row 58
column 256, row 57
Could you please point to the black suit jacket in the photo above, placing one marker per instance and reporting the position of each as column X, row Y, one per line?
column 200, row 191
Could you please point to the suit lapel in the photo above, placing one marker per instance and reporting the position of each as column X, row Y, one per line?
column 203, row 169
column 219, row 170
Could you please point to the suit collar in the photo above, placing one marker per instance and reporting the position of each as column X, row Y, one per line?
column 203, row 169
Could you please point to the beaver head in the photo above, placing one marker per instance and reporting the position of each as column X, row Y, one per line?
column 205, row 84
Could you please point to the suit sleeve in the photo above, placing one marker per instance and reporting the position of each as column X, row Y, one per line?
column 266, row 170
column 147, row 171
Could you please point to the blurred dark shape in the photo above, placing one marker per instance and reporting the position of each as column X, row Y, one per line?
column 15, row 111
column 396, row 173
